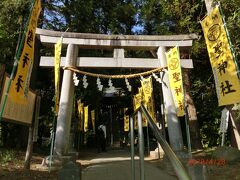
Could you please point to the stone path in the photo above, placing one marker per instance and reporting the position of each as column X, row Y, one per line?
column 116, row 165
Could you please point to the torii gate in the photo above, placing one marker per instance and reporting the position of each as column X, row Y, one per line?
column 117, row 43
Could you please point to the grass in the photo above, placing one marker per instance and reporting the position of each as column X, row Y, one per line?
column 12, row 163
column 8, row 157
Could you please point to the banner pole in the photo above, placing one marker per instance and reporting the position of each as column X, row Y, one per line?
column 52, row 141
column 132, row 147
column 16, row 60
column 188, row 133
column 148, row 144
column 53, row 134
column 56, row 98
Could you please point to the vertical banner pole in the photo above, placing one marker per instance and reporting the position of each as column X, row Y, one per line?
column 141, row 145
column 148, row 145
column 162, row 122
column 111, row 125
column 52, row 142
column 188, row 133
column 132, row 146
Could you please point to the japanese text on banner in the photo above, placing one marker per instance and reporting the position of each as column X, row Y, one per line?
column 221, row 58
column 20, row 84
column 175, row 79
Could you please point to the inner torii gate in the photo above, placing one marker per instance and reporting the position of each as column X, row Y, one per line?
column 117, row 43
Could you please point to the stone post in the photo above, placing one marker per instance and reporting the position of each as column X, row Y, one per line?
column 66, row 104
column 174, row 128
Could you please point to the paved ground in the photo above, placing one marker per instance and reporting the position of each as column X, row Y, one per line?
column 116, row 165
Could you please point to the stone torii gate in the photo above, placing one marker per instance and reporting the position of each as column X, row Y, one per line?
column 117, row 43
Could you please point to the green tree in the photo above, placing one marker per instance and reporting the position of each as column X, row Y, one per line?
column 108, row 17
column 12, row 20
column 182, row 16
column 231, row 13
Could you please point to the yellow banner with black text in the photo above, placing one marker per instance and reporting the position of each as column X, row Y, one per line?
column 175, row 79
column 144, row 96
column 20, row 84
column 221, row 58
column 147, row 89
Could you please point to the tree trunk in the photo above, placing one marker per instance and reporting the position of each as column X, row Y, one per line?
column 2, row 72
column 193, row 122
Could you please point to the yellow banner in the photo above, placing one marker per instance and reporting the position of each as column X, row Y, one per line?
column 81, row 115
column 57, row 60
column 151, row 108
column 136, row 104
column 20, row 84
column 175, row 79
column 147, row 89
column 126, row 121
column 85, row 118
column 137, row 100
column 221, row 58
column 93, row 120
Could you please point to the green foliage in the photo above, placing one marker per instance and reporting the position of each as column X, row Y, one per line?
column 7, row 156
column 11, row 19
column 109, row 17
column 231, row 12
column 171, row 17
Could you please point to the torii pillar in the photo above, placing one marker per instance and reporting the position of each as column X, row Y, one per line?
column 174, row 128
column 66, row 104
